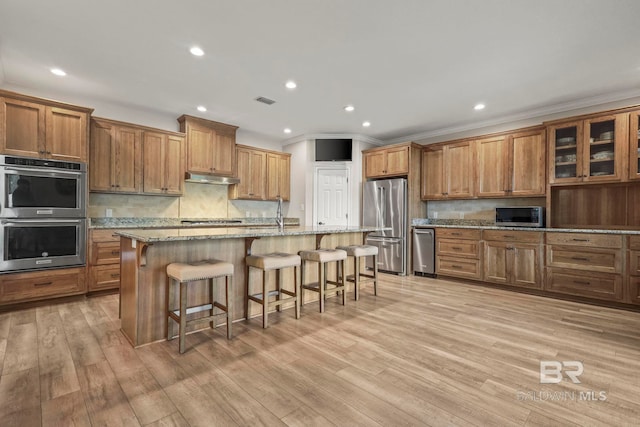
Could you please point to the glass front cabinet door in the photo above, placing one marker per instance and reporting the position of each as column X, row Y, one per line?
column 589, row 150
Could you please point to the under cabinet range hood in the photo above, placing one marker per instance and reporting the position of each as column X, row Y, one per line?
column 210, row 179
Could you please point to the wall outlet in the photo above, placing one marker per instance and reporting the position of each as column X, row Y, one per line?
column 108, row 213
column 302, row 207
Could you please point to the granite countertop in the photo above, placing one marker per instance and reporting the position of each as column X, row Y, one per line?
column 489, row 225
column 185, row 234
column 133, row 222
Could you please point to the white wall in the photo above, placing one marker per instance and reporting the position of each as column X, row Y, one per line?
column 303, row 173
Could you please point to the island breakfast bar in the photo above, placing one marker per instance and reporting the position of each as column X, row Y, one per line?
column 145, row 255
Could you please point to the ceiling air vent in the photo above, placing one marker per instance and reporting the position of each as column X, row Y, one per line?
column 265, row 100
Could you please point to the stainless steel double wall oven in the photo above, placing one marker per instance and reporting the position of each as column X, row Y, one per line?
column 42, row 213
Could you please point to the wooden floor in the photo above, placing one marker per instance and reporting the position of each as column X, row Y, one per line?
column 424, row 352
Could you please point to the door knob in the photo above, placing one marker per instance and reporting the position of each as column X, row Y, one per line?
column 320, row 223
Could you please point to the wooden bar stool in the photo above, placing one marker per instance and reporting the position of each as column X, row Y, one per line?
column 184, row 274
column 323, row 257
column 357, row 252
column 274, row 261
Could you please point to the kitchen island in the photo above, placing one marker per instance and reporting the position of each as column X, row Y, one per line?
column 145, row 255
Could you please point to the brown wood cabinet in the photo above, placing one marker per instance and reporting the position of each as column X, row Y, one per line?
column 458, row 252
column 34, row 127
column 39, row 285
column 513, row 258
column 447, row 171
column 584, row 264
column 104, row 260
column 386, row 161
column 278, row 176
column 589, row 149
column 115, row 157
column 634, row 145
column 163, row 163
column 633, row 276
column 211, row 146
column 252, row 165
column 511, row 165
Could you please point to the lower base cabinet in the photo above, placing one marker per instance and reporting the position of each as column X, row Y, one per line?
column 513, row 258
column 586, row 284
column 38, row 285
column 103, row 263
column 634, row 290
column 458, row 253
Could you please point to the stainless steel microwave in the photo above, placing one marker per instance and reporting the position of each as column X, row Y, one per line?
column 520, row 216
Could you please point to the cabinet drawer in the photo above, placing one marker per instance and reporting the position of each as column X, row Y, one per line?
column 42, row 284
column 458, row 248
column 634, row 290
column 104, row 235
column 513, row 236
column 585, row 239
column 634, row 242
column 458, row 267
column 458, row 233
column 105, row 277
column 105, row 253
column 592, row 285
column 634, row 263
column 590, row 259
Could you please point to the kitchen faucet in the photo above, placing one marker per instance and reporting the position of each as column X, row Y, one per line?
column 279, row 218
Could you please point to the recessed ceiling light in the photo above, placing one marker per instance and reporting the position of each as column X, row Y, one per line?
column 349, row 108
column 366, row 124
column 479, row 107
column 291, row 84
column 287, row 130
column 58, row 72
column 202, row 108
column 196, row 51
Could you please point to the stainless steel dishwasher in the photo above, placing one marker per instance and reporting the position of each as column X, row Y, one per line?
column 424, row 252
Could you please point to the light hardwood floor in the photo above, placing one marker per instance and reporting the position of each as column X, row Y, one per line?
column 424, row 352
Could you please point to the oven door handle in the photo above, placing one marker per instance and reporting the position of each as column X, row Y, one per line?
column 40, row 221
column 44, row 172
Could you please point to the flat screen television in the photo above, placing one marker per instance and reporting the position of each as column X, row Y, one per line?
column 333, row 150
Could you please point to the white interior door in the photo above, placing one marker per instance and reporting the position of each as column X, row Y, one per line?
column 332, row 197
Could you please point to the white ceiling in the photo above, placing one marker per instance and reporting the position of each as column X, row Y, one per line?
column 409, row 66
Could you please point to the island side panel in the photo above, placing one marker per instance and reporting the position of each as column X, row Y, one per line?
column 128, row 289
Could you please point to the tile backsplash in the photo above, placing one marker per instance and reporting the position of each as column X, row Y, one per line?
column 198, row 201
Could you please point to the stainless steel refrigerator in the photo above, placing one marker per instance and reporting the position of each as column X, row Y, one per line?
column 385, row 205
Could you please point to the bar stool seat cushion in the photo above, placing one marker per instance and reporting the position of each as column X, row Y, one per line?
column 199, row 270
column 273, row 261
column 359, row 250
column 324, row 255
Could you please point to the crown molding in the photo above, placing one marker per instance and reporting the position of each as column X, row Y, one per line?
column 565, row 107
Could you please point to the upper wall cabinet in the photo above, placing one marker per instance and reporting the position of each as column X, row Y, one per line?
column 163, row 163
column 386, row 161
column 634, row 145
column 211, row 146
column 32, row 127
column 115, row 157
column 589, row 150
column 263, row 174
column 447, row 171
column 278, row 176
column 511, row 165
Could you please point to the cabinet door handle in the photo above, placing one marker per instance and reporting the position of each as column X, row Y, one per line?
column 456, row 234
column 43, row 284
column 580, row 240
column 581, row 282
column 456, row 248
column 114, row 275
column 579, row 258
column 48, row 152
column 456, row 266
column 114, row 235
column 507, row 236
column 115, row 252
